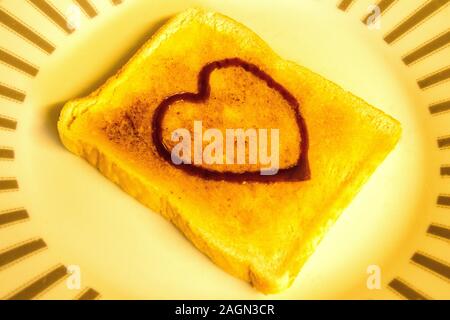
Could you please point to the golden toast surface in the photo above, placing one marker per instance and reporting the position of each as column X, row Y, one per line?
column 260, row 232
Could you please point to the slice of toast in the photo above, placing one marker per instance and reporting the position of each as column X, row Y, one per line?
column 262, row 232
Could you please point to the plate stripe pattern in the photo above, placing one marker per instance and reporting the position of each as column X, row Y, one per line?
column 6, row 154
column 8, row 184
column 344, row 5
column 440, row 107
column 439, row 231
column 26, row 32
column 41, row 284
column 418, row 17
column 52, row 13
column 12, row 93
column 428, row 48
column 18, row 63
column 432, row 264
column 383, row 5
column 406, row 290
column 434, row 78
column 88, row 294
column 13, row 216
column 87, row 8
column 443, row 201
column 7, row 123
column 443, row 142
column 445, row 171
column 439, row 42
column 20, row 251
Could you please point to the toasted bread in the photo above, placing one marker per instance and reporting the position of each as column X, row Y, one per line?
column 262, row 232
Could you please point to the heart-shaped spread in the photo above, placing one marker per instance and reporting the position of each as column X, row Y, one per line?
column 293, row 146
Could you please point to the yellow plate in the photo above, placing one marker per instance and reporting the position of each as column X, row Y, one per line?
column 67, row 232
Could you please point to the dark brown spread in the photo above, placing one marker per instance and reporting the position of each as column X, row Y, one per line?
column 299, row 172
